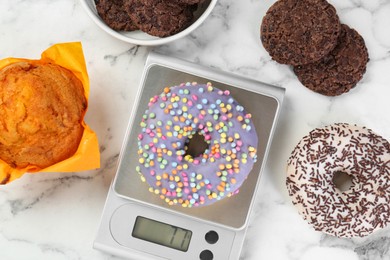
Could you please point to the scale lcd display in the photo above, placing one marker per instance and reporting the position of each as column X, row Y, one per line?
column 162, row 233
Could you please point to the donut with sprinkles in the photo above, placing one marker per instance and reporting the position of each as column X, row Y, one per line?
column 352, row 150
column 197, row 145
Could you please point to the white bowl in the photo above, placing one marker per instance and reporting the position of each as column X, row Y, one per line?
column 141, row 38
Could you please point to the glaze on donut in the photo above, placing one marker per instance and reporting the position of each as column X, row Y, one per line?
column 175, row 117
column 356, row 151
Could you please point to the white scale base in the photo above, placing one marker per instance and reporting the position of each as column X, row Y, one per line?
column 217, row 231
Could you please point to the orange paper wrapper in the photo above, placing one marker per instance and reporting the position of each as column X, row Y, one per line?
column 87, row 156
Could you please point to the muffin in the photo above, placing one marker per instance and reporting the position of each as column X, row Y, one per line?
column 42, row 106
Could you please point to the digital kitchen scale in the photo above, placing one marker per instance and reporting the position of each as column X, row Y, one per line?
column 137, row 224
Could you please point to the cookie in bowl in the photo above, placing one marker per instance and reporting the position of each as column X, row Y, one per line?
column 158, row 17
column 114, row 15
column 158, row 22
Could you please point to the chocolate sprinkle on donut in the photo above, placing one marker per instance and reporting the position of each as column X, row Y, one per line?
column 356, row 151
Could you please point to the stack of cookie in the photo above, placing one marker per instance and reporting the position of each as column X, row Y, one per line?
column 328, row 57
column 159, row 18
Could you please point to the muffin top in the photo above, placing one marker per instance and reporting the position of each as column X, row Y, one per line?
column 42, row 106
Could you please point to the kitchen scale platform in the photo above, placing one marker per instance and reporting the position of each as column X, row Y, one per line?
column 137, row 224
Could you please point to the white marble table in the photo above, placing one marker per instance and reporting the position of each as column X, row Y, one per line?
column 56, row 215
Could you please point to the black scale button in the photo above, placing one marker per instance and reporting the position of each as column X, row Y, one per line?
column 206, row 255
column 211, row 237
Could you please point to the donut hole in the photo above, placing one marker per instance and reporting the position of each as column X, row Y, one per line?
column 196, row 145
column 342, row 181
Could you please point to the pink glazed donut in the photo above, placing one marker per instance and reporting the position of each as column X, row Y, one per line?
column 353, row 150
column 172, row 120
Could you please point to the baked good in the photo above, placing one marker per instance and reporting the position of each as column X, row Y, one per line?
column 298, row 32
column 353, row 150
column 175, row 124
column 159, row 18
column 189, row 2
column 340, row 70
column 114, row 15
column 41, row 110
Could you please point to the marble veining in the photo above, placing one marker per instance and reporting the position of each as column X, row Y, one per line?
column 56, row 215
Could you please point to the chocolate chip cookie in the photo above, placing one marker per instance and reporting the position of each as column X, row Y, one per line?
column 299, row 32
column 114, row 15
column 341, row 69
column 189, row 2
column 159, row 18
